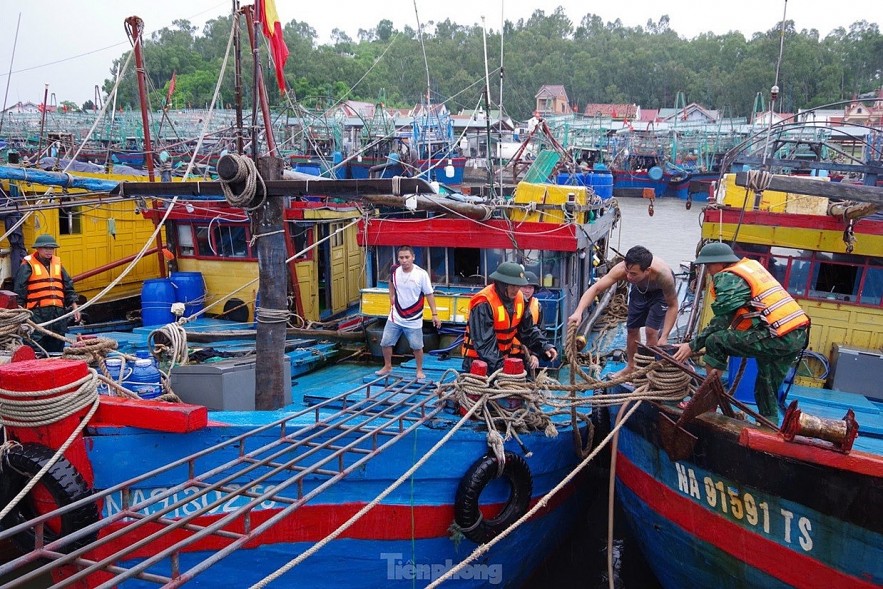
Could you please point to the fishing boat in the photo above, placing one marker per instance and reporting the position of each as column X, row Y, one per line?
column 105, row 233
column 717, row 499
column 387, row 474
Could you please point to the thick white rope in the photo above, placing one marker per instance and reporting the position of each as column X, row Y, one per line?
column 45, row 407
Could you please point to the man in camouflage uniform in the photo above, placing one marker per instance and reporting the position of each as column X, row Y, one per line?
column 747, row 325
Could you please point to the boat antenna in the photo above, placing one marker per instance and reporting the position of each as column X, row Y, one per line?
column 502, row 28
column 237, row 77
column 428, row 84
column 774, row 91
column 9, row 75
column 487, row 109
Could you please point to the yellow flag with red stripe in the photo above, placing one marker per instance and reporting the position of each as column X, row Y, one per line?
column 273, row 32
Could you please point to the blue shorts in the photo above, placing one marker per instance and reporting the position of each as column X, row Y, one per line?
column 646, row 309
column 392, row 332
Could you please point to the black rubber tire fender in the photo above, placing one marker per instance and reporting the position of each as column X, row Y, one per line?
column 467, row 513
column 63, row 482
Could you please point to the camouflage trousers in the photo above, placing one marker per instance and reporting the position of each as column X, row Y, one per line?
column 774, row 356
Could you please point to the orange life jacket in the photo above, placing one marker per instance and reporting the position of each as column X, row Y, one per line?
column 533, row 307
column 45, row 287
column 505, row 326
column 772, row 302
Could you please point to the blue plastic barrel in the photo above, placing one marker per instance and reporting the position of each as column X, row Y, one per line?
column 745, row 391
column 145, row 380
column 602, row 184
column 190, row 290
column 157, row 296
column 655, row 173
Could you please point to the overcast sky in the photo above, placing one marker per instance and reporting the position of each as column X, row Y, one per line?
column 71, row 44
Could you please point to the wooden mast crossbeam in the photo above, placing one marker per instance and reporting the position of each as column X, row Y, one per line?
column 815, row 187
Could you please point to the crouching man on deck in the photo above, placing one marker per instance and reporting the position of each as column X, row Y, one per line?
column 754, row 317
column 653, row 300
column 496, row 316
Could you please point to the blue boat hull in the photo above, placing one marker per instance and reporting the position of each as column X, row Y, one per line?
column 407, row 538
column 732, row 516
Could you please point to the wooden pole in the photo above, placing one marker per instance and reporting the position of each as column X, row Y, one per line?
column 267, row 225
column 809, row 186
column 135, row 26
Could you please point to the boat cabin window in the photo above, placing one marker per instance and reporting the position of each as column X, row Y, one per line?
column 186, row 246
column 214, row 241
column 822, row 275
column 301, row 237
column 69, row 220
column 438, row 265
column 872, row 290
column 229, row 241
column 467, row 270
column 831, row 280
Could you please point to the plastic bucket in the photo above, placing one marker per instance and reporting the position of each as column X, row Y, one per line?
column 157, row 296
column 190, row 290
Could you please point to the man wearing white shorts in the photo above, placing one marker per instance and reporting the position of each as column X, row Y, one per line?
column 409, row 287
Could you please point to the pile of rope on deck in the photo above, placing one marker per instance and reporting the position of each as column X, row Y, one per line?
column 510, row 404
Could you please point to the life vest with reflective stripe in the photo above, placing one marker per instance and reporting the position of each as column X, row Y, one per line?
column 504, row 325
column 410, row 311
column 533, row 308
column 771, row 301
column 45, row 286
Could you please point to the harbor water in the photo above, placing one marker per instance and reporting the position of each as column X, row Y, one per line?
column 581, row 560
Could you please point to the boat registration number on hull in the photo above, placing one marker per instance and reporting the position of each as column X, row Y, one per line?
column 760, row 514
column 185, row 502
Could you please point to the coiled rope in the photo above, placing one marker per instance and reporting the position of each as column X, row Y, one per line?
column 247, row 172
column 12, row 327
column 91, row 350
column 175, row 344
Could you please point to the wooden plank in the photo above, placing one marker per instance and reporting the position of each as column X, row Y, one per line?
column 812, row 186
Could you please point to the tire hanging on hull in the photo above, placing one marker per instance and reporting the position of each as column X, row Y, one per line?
column 63, row 483
column 467, row 512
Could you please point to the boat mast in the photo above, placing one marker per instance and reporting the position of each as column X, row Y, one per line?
column 487, row 110
column 43, row 119
column 9, row 75
column 135, row 28
column 237, row 78
column 260, row 91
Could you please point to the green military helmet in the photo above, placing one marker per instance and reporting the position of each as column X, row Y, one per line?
column 510, row 273
column 532, row 279
column 716, row 252
column 45, row 240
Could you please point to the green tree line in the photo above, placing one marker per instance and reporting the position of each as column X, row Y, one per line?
column 596, row 62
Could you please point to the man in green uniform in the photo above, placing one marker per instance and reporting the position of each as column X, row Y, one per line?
column 754, row 317
column 44, row 286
